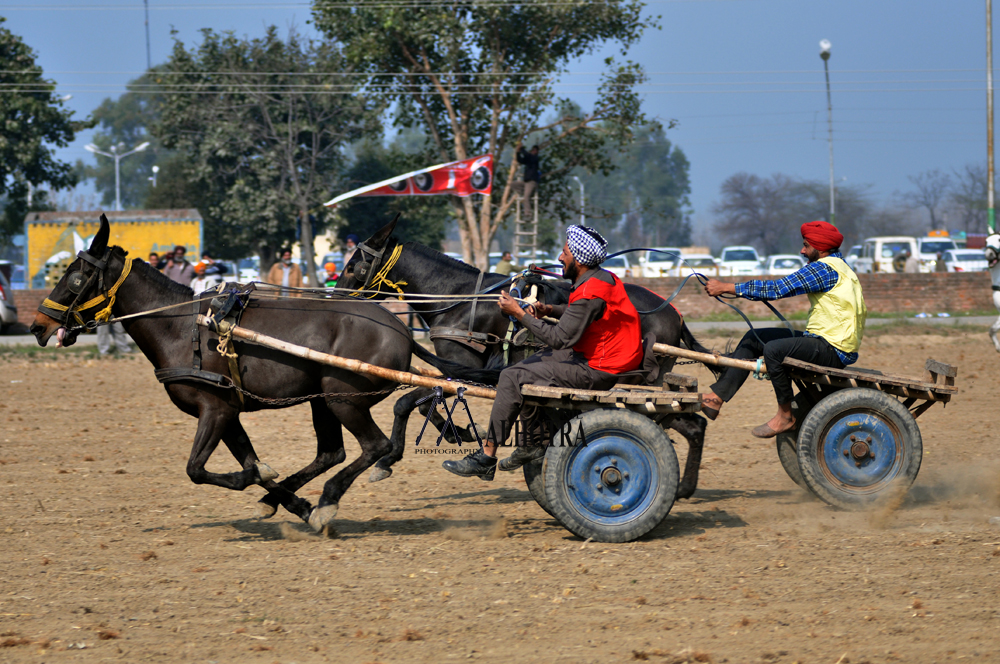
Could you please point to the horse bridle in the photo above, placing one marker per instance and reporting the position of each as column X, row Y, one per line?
column 367, row 269
column 76, row 285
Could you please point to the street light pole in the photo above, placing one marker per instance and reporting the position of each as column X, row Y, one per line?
column 117, row 157
column 824, row 52
column 991, row 219
column 583, row 217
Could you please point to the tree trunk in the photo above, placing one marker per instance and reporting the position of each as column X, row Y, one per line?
column 309, row 276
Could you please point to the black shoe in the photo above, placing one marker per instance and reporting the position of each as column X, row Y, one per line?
column 476, row 464
column 520, row 456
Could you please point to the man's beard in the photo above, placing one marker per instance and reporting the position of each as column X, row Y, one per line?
column 571, row 272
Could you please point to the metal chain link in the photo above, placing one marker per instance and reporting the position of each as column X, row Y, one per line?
column 288, row 401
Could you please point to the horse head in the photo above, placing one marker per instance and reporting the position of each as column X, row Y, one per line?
column 78, row 296
column 367, row 258
column 992, row 250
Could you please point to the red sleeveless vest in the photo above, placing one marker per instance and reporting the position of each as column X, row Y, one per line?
column 613, row 342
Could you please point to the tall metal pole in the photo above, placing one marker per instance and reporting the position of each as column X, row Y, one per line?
column 149, row 62
column 118, row 189
column 825, row 54
column 583, row 217
column 991, row 211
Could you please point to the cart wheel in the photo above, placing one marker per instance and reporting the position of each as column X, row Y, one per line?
column 613, row 478
column 855, row 445
column 785, row 443
column 534, row 476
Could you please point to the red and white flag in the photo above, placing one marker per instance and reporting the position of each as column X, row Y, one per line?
column 460, row 178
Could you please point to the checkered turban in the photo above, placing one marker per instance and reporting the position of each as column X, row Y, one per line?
column 586, row 245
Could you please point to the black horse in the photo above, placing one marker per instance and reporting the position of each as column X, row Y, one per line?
column 170, row 340
column 382, row 263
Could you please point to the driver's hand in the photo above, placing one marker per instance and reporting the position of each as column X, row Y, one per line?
column 541, row 310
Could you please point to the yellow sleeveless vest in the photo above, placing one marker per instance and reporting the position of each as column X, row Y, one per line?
column 839, row 314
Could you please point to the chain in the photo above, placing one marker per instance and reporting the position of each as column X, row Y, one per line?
column 289, row 401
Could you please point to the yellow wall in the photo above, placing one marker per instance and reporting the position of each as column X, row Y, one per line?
column 139, row 238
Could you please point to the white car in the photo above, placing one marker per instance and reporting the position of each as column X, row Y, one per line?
column 701, row 263
column 618, row 266
column 928, row 249
column 965, row 260
column 878, row 254
column 783, row 264
column 8, row 312
column 852, row 255
column 660, row 262
column 739, row 261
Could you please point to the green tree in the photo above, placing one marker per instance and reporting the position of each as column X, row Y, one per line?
column 477, row 78
column 644, row 200
column 34, row 119
column 263, row 124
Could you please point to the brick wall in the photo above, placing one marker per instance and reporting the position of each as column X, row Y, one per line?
column 884, row 293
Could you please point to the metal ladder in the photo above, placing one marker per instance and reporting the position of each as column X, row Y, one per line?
column 526, row 233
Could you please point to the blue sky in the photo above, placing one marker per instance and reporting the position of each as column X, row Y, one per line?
column 742, row 77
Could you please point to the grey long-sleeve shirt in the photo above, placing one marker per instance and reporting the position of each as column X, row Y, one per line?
column 574, row 319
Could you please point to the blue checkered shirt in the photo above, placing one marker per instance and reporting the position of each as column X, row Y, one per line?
column 815, row 277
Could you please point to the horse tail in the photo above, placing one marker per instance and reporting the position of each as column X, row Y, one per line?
column 488, row 376
column 693, row 344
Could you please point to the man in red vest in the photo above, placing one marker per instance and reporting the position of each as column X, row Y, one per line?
column 598, row 336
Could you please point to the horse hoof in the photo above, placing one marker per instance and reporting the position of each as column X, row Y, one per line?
column 322, row 516
column 379, row 474
column 265, row 471
column 265, row 511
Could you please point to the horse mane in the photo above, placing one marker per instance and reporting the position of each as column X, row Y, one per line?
column 156, row 277
column 438, row 256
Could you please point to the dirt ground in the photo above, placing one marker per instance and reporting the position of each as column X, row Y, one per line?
column 110, row 553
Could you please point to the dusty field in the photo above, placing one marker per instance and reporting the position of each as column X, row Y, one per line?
column 109, row 553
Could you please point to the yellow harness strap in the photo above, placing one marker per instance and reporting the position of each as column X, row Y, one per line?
column 380, row 277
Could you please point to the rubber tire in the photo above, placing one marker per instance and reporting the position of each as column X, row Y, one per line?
column 658, row 452
column 786, row 444
column 837, row 405
column 534, row 477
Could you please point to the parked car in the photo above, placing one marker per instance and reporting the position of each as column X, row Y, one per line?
column 852, row 255
column 878, row 253
column 783, row 264
column 965, row 260
column 700, row 263
column 249, row 269
column 737, row 261
column 929, row 247
column 619, row 266
column 8, row 312
column 659, row 263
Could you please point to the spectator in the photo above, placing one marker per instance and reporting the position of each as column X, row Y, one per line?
column 213, row 269
column 154, row 261
column 532, row 176
column 350, row 246
column 507, row 266
column 911, row 265
column 285, row 273
column 940, row 265
column 177, row 268
column 201, row 282
column 331, row 275
column 110, row 337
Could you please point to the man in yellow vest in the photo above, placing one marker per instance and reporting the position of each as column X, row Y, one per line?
column 833, row 333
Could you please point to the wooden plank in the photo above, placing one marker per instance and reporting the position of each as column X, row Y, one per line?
column 941, row 368
column 920, row 392
column 618, row 394
column 679, row 379
column 846, row 375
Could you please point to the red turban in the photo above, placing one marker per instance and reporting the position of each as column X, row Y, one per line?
column 822, row 236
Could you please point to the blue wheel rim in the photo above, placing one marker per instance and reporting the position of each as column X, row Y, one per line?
column 609, row 455
column 844, row 461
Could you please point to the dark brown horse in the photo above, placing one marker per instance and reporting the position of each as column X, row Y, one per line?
column 169, row 339
column 424, row 270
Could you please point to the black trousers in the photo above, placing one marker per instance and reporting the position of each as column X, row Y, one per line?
column 779, row 343
column 556, row 368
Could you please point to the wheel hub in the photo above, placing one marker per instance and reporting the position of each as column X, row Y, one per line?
column 612, row 477
column 860, row 450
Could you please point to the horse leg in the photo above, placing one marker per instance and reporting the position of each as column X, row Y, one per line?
column 692, row 427
column 401, row 416
column 996, row 326
column 329, row 452
column 212, row 425
column 374, row 445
